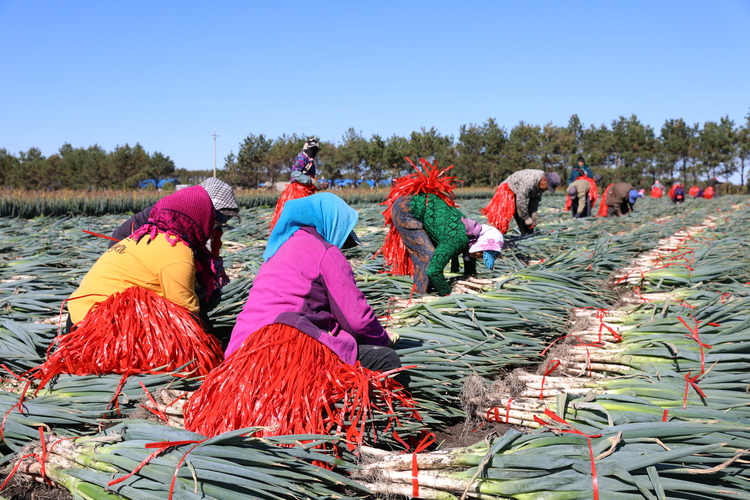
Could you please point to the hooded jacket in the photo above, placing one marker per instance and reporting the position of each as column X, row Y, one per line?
column 579, row 172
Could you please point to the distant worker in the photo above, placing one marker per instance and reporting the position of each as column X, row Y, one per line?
column 657, row 189
column 580, row 170
column 695, row 192
column 709, row 193
column 713, row 183
column 578, row 192
column 303, row 182
column 518, row 197
column 677, row 194
column 619, row 199
column 674, row 187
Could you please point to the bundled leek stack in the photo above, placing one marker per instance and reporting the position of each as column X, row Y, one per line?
column 648, row 460
column 142, row 460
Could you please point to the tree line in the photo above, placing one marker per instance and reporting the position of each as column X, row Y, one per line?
column 483, row 155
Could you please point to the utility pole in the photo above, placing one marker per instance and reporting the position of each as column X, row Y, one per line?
column 215, row 135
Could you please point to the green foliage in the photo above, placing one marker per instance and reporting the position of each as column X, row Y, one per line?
column 483, row 155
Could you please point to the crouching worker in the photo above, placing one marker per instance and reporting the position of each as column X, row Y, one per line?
column 434, row 233
column 518, row 197
column 619, row 199
column 225, row 204
column 135, row 310
column 578, row 194
column 306, row 339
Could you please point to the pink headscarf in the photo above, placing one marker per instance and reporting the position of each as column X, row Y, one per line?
column 186, row 216
column 490, row 239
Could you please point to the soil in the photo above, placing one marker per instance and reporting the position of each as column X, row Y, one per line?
column 461, row 434
column 21, row 489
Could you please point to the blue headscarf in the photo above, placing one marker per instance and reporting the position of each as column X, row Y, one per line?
column 327, row 213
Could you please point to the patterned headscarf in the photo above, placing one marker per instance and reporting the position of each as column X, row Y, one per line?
column 221, row 194
column 186, row 216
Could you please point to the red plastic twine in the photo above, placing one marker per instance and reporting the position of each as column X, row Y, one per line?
column 572, row 430
column 600, row 316
column 701, row 345
column 426, row 441
column 691, row 381
column 100, row 235
column 160, row 447
column 20, row 409
column 507, row 410
column 41, row 459
column 597, row 343
column 664, row 415
column 551, row 366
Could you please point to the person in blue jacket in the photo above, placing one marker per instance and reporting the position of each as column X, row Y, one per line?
column 580, row 170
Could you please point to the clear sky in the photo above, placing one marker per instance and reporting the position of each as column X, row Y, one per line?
column 167, row 73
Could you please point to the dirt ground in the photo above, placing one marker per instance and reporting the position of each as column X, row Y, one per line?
column 19, row 489
column 461, row 434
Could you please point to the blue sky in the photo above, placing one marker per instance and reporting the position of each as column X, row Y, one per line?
column 167, row 73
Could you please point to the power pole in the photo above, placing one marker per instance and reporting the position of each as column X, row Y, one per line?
column 215, row 135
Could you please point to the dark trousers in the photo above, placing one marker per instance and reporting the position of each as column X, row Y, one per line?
column 381, row 358
column 619, row 209
column 574, row 207
column 522, row 227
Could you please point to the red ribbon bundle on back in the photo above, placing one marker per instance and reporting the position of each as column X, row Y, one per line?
column 656, row 193
column 603, row 206
column 293, row 191
column 289, row 383
column 501, row 208
column 134, row 331
column 428, row 180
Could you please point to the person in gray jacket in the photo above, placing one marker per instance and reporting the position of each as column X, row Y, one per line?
column 518, row 197
column 528, row 186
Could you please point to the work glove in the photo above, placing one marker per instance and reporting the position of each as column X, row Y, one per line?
column 534, row 219
column 529, row 221
column 577, row 216
column 317, row 184
column 392, row 338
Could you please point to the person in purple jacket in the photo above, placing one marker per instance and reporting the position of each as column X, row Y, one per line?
column 307, row 283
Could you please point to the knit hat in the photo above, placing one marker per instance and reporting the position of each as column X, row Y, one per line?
column 572, row 191
column 553, row 180
column 222, row 197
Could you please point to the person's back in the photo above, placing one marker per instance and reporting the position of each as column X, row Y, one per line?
column 678, row 195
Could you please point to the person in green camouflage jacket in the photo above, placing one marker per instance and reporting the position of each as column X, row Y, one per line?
column 434, row 233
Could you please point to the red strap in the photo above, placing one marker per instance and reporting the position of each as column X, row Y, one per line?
column 691, row 381
column 507, row 410
column 572, row 430
column 551, row 366
column 100, row 235
column 664, row 415
column 426, row 441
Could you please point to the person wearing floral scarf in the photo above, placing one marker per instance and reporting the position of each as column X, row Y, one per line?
column 164, row 255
